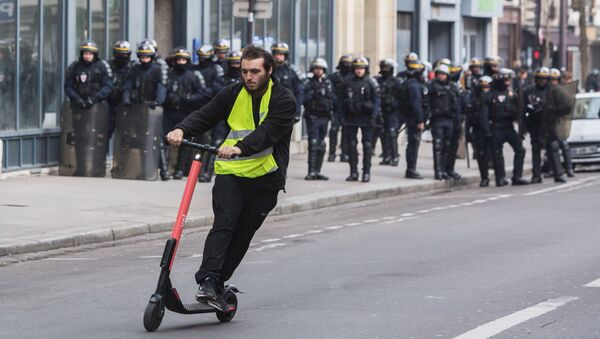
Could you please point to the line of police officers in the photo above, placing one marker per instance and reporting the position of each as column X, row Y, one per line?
column 346, row 101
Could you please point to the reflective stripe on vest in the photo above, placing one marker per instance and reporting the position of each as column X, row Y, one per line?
column 241, row 122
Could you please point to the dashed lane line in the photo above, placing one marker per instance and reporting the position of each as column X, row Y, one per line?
column 562, row 186
column 595, row 283
column 502, row 324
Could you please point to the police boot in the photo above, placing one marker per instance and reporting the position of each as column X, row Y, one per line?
column 385, row 148
column 554, row 159
column 411, row 173
column 345, row 148
column 482, row 163
column 499, row 170
column 449, row 161
column 438, row 160
column 178, row 172
column 205, row 171
column 320, row 158
column 536, row 170
column 368, row 154
column 312, row 161
column 332, row 144
column 393, row 142
column 517, row 178
column 163, row 163
column 566, row 153
column 353, row 162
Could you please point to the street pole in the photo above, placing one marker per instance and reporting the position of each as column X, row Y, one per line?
column 250, row 26
column 562, row 40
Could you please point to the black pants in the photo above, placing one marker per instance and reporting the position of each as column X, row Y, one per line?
column 240, row 207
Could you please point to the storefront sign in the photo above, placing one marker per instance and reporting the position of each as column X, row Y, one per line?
column 7, row 10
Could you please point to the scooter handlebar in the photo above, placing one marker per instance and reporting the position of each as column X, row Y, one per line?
column 200, row 147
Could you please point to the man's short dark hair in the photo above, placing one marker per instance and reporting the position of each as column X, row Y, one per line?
column 252, row 52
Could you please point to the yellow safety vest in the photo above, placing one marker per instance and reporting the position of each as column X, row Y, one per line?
column 241, row 122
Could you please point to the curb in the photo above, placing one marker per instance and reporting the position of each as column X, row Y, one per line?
column 291, row 205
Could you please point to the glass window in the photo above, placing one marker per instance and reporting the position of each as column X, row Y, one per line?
column 115, row 23
column 313, row 30
column 98, row 26
column 271, row 34
column 324, row 29
column 226, row 10
column 81, row 23
column 259, row 32
column 29, row 116
column 303, row 41
column 213, row 22
column 51, row 63
column 403, row 36
column 8, row 118
column 239, row 33
column 285, row 22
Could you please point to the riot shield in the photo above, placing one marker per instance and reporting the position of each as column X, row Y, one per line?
column 83, row 140
column 560, row 102
column 138, row 136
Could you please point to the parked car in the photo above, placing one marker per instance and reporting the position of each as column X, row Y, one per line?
column 584, row 139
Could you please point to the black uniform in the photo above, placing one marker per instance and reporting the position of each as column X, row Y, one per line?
column 88, row 82
column 499, row 112
column 534, row 98
column 318, row 103
column 362, row 105
column 337, row 79
column 146, row 83
column 389, row 89
column 120, row 69
column 289, row 76
column 480, row 138
column 414, row 109
column 445, row 107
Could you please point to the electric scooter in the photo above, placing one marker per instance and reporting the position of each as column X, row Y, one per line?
column 166, row 295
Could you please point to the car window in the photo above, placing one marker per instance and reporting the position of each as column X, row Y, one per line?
column 587, row 108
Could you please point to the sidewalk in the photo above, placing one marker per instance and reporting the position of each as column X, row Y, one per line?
column 51, row 212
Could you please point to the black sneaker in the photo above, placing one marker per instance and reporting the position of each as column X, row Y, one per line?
column 207, row 290
column 219, row 303
column 352, row 177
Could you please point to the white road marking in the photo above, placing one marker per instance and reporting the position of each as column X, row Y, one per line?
column 439, row 208
column 354, row 224
column 389, row 218
column 71, row 259
column 407, row 215
column 595, row 283
column 502, row 324
column 291, row 236
column 480, row 201
column 313, row 232
column 423, row 211
column 334, row 227
column 271, row 240
column 371, row 220
column 433, row 297
column 193, row 256
column 560, row 187
column 264, row 247
column 452, row 206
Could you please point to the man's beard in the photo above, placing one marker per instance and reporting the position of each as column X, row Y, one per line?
column 262, row 86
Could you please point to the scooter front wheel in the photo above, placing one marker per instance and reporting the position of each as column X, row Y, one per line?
column 153, row 316
column 233, row 305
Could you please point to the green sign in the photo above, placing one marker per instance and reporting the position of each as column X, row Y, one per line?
column 486, row 5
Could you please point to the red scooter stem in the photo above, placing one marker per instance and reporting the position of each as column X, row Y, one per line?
column 190, row 185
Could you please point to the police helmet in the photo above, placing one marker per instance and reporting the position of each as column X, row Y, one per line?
column 554, row 74
column 415, row 68
column 319, row 63
column 542, row 72
column 442, row 68
column 360, row 62
column 445, row 61
column 485, row 81
column 205, row 52
column 122, row 49
column 234, row 57
column 280, row 47
column 89, row 46
column 151, row 42
column 221, row 46
column 345, row 61
column 492, row 60
column 506, row 73
column 387, row 64
column 411, row 57
column 146, row 50
column 180, row 52
column 455, row 69
column 475, row 62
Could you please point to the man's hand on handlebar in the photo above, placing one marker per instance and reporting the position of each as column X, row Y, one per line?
column 175, row 137
column 228, row 152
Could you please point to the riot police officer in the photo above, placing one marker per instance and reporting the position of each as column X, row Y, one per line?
column 146, row 84
column 413, row 113
column 344, row 70
column 534, row 98
column 362, row 106
column 481, row 140
column 472, row 80
column 213, row 76
column 318, row 103
column 455, row 74
column 499, row 112
column 288, row 74
column 88, row 80
column 491, row 66
column 409, row 59
column 444, row 103
column 164, row 66
column 120, row 64
column 221, row 48
column 389, row 91
column 555, row 79
column 185, row 91
column 233, row 74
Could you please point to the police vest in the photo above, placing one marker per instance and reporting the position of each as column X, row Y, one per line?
column 321, row 103
column 359, row 96
column 241, row 123
column 145, row 83
column 503, row 108
column 388, row 93
column 88, row 79
column 443, row 101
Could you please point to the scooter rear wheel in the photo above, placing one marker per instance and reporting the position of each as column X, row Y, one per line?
column 153, row 316
column 227, row 316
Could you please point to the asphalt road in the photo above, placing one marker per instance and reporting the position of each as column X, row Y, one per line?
column 511, row 262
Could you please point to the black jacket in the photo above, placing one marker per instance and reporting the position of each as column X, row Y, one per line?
column 275, row 130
